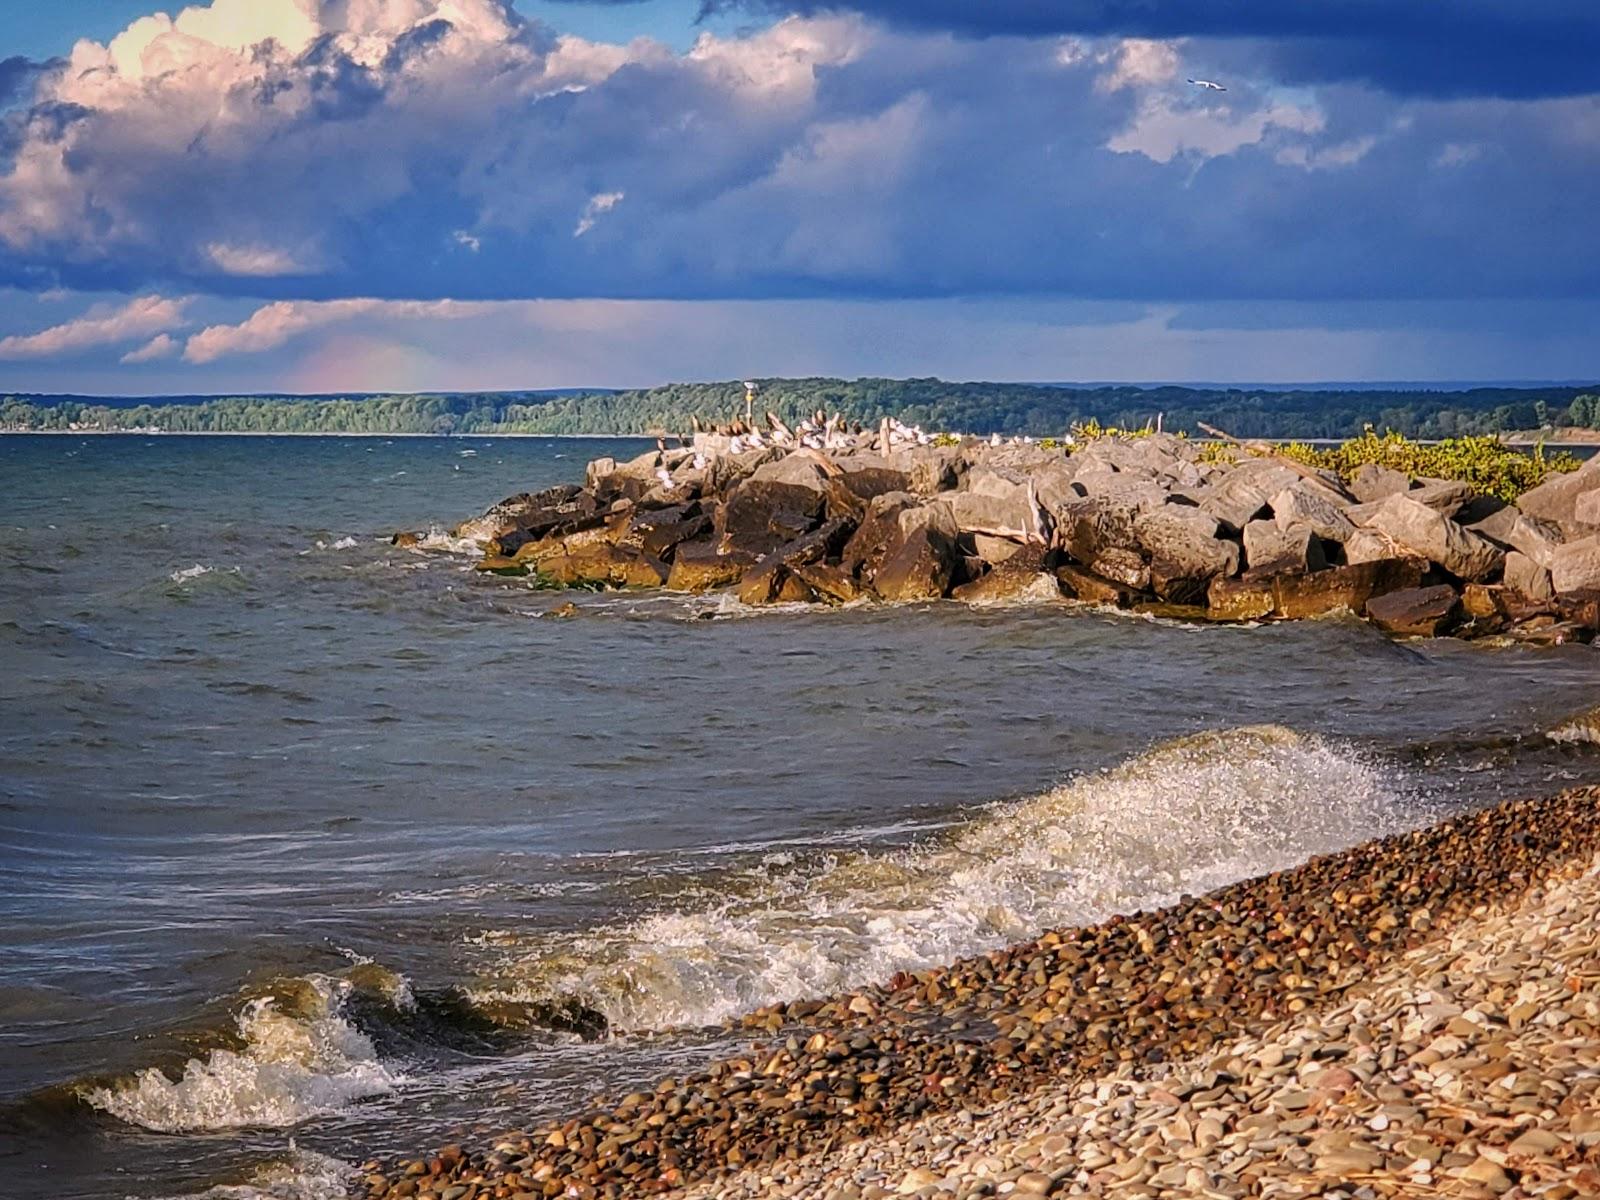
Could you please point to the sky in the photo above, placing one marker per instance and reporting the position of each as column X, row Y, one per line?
column 373, row 195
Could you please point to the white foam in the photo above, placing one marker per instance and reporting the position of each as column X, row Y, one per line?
column 1578, row 730
column 198, row 571
column 1187, row 817
column 291, row 1067
column 304, row 1176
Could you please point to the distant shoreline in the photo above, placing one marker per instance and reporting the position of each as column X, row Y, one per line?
column 307, row 433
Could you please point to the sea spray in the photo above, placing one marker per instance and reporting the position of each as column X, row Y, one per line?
column 1186, row 817
column 293, row 1065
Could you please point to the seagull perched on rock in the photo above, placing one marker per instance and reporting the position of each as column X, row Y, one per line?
column 1208, row 85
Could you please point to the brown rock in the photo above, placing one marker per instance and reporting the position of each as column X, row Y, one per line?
column 1414, row 612
column 920, row 567
column 1348, row 587
column 701, row 567
column 829, row 582
column 1086, row 586
column 1018, row 578
column 1420, row 530
column 1246, row 599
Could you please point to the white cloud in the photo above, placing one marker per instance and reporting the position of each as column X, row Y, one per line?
column 1141, row 62
column 261, row 262
column 276, row 324
column 601, row 202
column 1163, row 128
column 163, row 345
column 99, row 327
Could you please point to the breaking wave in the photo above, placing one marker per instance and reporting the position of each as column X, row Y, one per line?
column 1186, row 817
column 298, row 1057
column 304, row 1176
column 1579, row 730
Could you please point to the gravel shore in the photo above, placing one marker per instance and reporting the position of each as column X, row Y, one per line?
column 1415, row 1016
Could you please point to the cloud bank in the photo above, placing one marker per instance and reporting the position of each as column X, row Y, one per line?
column 418, row 150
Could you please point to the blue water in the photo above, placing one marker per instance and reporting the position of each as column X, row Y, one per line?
column 250, row 749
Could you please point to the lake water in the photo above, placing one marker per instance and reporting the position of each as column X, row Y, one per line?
column 313, row 848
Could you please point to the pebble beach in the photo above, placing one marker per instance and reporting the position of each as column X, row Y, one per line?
column 1414, row 1016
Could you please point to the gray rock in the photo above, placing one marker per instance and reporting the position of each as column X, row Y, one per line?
column 1513, row 529
column 1001, row 509
column 1556, row 498
column 1237, row 497
column 994, row 550
column 1420, row 530
column 1304, row 505
column 1526, row 576
column 1368, row 545
column 1185, row 552
column 1586, row 510
column 1088, row 528
column 801, row 469
column 1272, row 550
column 1575, row 567
column 1446, row 496
column 1372, row 482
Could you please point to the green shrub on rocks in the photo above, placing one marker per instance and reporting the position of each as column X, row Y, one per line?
column 1488, row 464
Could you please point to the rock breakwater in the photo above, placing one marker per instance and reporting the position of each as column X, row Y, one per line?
column 1152, row 522
column 1115, row 1005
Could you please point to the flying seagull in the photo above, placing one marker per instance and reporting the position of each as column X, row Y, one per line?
column 1208, row 85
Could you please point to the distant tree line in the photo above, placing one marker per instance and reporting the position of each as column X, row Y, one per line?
column 983, row 408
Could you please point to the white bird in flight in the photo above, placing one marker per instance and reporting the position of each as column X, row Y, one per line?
column 1208, row 85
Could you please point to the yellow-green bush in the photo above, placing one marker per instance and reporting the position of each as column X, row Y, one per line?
column 1488, row 464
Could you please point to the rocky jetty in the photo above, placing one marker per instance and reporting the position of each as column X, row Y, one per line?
column 1389, row 1020
column 1153, row 522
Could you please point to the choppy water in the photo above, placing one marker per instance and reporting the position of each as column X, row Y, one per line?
column 311, row 847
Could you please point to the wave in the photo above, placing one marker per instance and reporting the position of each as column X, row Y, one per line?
column 304, row 1176
column 1582, row 729
column 1184, row 818
column 299, row 1056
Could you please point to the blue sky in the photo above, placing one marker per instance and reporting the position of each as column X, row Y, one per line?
column 372, row 194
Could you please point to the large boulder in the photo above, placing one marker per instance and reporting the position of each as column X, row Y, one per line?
column 603, row 565
column 1556, row 499
column 770, row 507
column 528, row 517
column 1513, row 529
column 1447, row 496
column 996, row 506
column 1346, row 588
column 865, row 476
column 931, row 469
column 877, row 534
column 1240, row 493
column 1368, row 545
column 1304, row 505
column 1270, row 549
column 1185, row 552
column 703, row 567
column 922, row 564
column 1023, row 578
column 1125, row 567
column 1415, row 612
column 1090, row 588
column 829, row 582
column 1420, row 530
column 1575, row 567
column 773, row 577
column 1372, row 482
column 1088, row 528
column 1247, row 599
column 1525, row 576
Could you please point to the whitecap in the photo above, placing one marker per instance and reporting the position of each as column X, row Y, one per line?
column 304, row 1176
column 291, row 1067
column 1187, row 817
